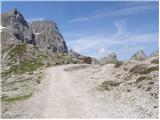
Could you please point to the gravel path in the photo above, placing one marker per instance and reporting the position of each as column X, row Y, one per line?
column 64, row 93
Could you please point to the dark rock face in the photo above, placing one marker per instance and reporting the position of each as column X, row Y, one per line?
column 111, row 58
column 16, row 28
column 48, row 36
column 139, row 56
column 154, row 54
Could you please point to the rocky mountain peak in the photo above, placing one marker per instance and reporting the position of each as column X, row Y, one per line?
column 111, row 58
column 48, row 36
column 13, row 17
column 16, row 29
column 139, row 56
column 154, row 54
column 14, row 11
column 45, row 34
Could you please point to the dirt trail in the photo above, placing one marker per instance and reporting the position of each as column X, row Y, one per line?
column 62, row 95
column 68, row 91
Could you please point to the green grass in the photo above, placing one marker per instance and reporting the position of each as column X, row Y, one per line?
column 17, row 98
column 18, row 50
column 19, row 81
column 25, row 66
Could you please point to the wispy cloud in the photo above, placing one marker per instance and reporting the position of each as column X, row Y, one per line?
column 81, row 19
column 100, row 45
column 137, row 8
column 140, row 9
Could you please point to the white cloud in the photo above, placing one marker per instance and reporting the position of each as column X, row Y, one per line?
column 121, row 26
column 138, row 8
column 79, row 19
column 144, row 38
column 102, row 50
column 101, row 44
column 127, row 11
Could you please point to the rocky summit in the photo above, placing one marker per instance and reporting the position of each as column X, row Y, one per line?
column 111, row 58
column 16, row 29
column 139, row 56
column 48, row 36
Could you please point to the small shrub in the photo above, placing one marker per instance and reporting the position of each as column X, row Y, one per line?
column 38, row 81
column 117, row 75
column 138, row 68
column 108, row 84
column 139, row 86
column 154, row 106
column 141, row 78
column 154, row 95
column 25, row 66
column 128, row 90
column 150, row 83
column 148, row 89
column 155, row 61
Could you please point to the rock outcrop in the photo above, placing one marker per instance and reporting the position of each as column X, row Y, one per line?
column 72, row 53
column 16, row 29
column 139, row 56
column 48, row 36
column 111, row 58
column 154, row 54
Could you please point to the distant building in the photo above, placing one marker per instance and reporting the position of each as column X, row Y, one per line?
column 87, row 60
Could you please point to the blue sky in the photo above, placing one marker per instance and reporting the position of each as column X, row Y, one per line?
column 98, row 28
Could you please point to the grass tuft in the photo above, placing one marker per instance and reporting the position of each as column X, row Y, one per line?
column 107, row 85
column 17, row 98
column 25, row 66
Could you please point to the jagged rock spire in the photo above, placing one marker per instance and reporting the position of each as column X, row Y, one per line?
column 139, row 56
